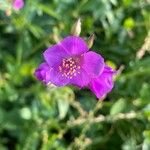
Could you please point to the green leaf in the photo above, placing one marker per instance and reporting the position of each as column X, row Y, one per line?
column 146, row 146
column 25, row 113
column 37, row 31
column 144, row 92
column 63, row 106
column 127, row 2
column 63, row 96
column 48, row 10
column 146, row 143
column 118, row 106
column 114, row 2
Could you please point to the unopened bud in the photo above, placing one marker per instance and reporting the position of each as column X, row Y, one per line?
column 76, row 28
column 8, row 12
column 90, row 41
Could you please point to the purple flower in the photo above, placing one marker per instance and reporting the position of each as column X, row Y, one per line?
column 103, row 84
column 69, row 62
column 43, row 73
column 18, row 4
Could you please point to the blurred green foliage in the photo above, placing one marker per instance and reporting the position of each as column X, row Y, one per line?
column 35, row 117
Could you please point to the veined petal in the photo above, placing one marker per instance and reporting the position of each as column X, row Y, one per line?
column 43, row 73
column 93, row 64
column 82, row 79
column 74, row 45
column 69, row 46
column 54, row 55
column 103, row 84
column 57, row 78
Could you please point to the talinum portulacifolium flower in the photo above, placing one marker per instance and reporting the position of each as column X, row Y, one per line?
column 70, row 62
column 18, row 4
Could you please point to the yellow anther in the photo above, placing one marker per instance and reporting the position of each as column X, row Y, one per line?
column 59, row 68
column 74, row 71
column 69, row 67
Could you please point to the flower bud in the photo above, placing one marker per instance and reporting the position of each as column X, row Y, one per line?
column 8, row 12
column 90, row 40
column 76, row 28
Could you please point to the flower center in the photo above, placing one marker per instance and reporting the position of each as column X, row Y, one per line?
column 69, row 67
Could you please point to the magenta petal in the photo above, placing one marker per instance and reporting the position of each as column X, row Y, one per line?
column 93, row 64
column 57, row 78
column 54, row 55
column 81, row 79
column 74, row 45
column 103, row 84
column 18, row 4
column 43, row 73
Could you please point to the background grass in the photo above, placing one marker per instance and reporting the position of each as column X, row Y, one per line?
column 36, row 117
